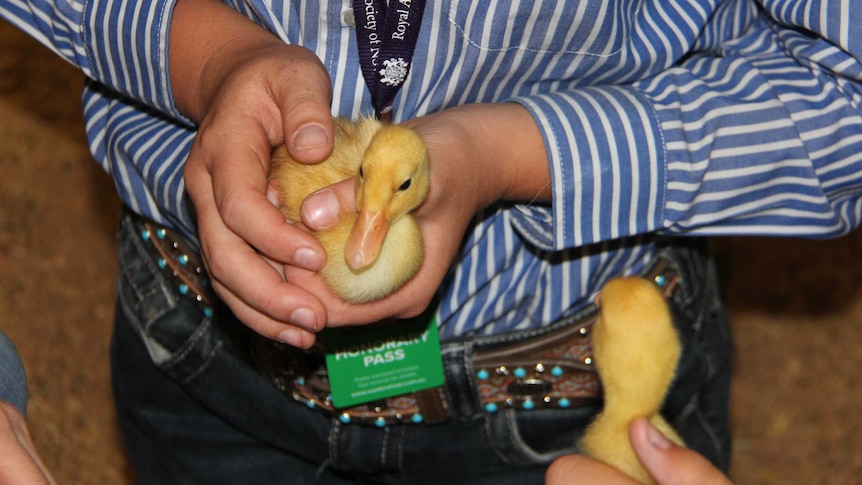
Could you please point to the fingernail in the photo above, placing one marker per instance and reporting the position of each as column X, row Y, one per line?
column 308, row 259
column 272, row 194
column 657, row 439
column 321, row 209
column 292, row 337
column 309, row 137
column 303, row 317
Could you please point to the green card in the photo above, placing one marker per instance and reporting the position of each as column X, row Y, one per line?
column 373, row 363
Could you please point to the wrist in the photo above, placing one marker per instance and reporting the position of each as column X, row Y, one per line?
column 509, row 152
column 208, row 41
column 486, row 153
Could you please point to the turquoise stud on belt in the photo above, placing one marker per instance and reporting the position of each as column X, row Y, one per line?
column 175, row 257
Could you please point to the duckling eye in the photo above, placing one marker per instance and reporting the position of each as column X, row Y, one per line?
column 405, row 185
column 361, row 172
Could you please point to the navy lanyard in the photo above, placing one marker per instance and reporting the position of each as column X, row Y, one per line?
column 386, row 34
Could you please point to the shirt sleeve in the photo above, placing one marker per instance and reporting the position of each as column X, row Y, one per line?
column 760, row 134
column 120, row 44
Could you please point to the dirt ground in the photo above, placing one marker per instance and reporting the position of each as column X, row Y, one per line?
column 796, row 306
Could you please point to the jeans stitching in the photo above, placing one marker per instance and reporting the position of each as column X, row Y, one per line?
column 334, row 437
column 191, row 342
column 206, row 363
column 400, row 454
column 384, row 447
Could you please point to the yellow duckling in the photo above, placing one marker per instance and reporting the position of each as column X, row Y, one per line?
column 373, row 252
column 636, row 350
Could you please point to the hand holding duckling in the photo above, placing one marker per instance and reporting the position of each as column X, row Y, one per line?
column 246, row 97
column 473, row 151
column 265, row 269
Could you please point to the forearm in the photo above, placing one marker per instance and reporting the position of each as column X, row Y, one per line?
column 511, row 141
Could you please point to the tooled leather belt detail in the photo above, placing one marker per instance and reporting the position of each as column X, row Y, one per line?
column 180, row 262
column 552, row 370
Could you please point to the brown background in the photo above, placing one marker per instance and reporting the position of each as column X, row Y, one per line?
column 795, row 305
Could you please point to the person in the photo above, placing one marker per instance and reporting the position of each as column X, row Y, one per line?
column 20, row 463
column 570, row 143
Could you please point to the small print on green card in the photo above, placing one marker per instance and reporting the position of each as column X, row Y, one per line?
column 373, row 363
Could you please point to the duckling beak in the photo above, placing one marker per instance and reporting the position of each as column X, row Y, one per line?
column 365, row 239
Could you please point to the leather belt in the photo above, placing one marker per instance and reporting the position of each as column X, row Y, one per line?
column 551, row 370
column 178, row 261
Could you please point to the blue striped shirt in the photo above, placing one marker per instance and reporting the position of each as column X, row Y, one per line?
column 697, row 117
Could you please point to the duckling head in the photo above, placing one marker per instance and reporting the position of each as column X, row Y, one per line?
column 393, row 180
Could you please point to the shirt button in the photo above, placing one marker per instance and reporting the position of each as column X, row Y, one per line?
column 348, row 19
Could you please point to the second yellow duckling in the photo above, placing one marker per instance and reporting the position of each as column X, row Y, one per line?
column 375, row 251
column 636, row 350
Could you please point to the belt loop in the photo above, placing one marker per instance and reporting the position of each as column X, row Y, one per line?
column 432, row 405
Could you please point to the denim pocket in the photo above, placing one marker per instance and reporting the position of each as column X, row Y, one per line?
column 538, row 436
column 173, row 328
column 703, row 419
column 697, row 403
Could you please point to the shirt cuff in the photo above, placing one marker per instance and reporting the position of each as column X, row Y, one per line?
column 607, row 165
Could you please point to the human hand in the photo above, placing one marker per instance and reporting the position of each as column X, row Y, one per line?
column 20, row 463
column 249, row 92
column 668, row 463
column 474, row 152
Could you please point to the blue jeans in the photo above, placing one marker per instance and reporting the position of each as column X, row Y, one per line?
column 194, row 408
column 13, row 383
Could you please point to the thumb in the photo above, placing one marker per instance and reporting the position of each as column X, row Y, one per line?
column 668, row 463
column 322, row 209
column 305, row 107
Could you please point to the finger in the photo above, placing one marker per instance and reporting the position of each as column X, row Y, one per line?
column 245, row 280
column 580, row 470
column 322, row 209
column 257, row 294
column 668, row 463
column 407, row 302
column 21, row 463
column 239, row 193
column 305, row 107
column 261, row 287
column 265, row 326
